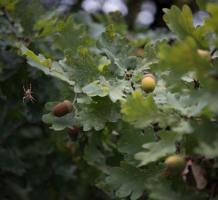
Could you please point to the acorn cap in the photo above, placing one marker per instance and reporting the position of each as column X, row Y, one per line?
column 74, row 130
column 149, row 75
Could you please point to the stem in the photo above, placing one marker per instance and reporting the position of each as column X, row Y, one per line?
column 10, row 21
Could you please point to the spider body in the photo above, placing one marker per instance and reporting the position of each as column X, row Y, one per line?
column 28, row 94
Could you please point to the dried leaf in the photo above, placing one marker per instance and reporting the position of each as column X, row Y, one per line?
column 192, row 169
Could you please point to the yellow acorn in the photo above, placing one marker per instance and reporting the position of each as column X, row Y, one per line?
column 204, row 54
column 175, row 162
column 148, row 83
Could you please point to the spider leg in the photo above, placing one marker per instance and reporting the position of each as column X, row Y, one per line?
column 32, row 99
column 24, row 98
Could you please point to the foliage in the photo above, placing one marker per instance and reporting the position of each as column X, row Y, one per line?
column 125, row 133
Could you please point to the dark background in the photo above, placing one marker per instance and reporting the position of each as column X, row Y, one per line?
column 133, row 7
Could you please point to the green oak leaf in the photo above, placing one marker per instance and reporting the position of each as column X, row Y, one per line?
column 201, row 4
column 131, row 139
column 211, row 22
column 164, row 190
column 185, row 104
column 59, row 123
column 117, row 89
column 157, row 150
column 183, row 57
column 183, row 127
column 126, row 181
column 104, row 63
column 208, row 150
column 96, row 89
column 94, row 29
column 40, row 59
column 92, row 154
column 28, row 12
column 83, row 64
column 96, row 114
column 139, row 111
column 113, row 88
column 206, row 134
column 117, row 50
column 151, row 51
column 8, row 4
column 70, row 36
column 180, row 22
column 46, row 25
column 58, row 69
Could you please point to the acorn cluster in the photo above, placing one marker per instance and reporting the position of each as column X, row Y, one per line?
column 60, row 110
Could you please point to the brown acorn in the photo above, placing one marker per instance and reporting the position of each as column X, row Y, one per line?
column 71, row 146
column 62, row 108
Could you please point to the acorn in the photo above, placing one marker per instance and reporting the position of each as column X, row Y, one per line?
column 61, row 109
column 148, row 82
column 73, row 132
column 71, row 146
column 175, row 162
column 139, row 52
column 204, row 54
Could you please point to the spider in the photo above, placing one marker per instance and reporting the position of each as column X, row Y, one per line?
column 28, row 94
